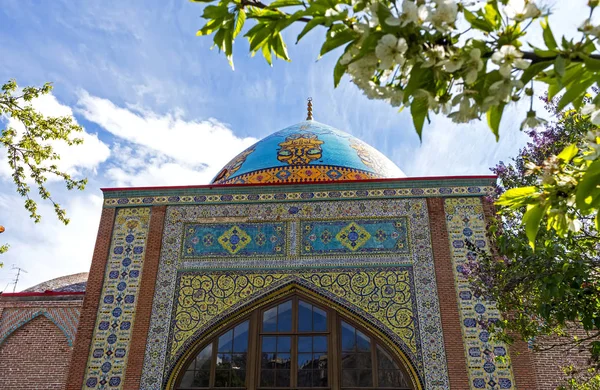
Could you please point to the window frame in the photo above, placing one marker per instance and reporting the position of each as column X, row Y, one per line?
column 334, row 352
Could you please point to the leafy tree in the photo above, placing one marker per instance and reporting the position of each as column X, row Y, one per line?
column 30, row 152
column 553, row 290
column 463, row 59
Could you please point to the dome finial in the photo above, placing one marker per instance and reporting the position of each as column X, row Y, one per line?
column 309, row 116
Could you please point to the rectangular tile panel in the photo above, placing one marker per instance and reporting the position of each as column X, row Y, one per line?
column 212, row 240
column 357, row 236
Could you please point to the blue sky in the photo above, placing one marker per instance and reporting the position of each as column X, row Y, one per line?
column 160, row 108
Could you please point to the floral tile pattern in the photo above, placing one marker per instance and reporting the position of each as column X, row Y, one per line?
column 465, row 221
column 175, row 271
column 116, row 314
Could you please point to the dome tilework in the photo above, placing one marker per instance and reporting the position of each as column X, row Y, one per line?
column 308, row 151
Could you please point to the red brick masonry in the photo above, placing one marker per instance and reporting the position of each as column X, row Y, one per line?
column 453, row 342
column 143, row 309
column 87, row 319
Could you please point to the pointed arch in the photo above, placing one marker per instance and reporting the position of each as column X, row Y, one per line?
column 64, row 318
column 289, row 287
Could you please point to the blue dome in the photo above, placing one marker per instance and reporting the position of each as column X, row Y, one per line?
column 308, row 151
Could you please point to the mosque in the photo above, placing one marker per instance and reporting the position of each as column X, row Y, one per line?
column 309, row 262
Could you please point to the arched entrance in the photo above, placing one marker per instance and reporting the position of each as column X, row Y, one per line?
column 294, row 342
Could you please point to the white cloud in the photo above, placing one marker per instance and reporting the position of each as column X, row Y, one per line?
column 153, row 149
column 461, row 149
column 48, row 249
column 75, row 159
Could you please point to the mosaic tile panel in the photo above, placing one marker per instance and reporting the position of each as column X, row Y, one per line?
column 359, row 236
column 465, row 221
column 430, row 337
column 66, row 318
column 116, row 314
column 234, row 239
column 246, row 195
column 384, row 295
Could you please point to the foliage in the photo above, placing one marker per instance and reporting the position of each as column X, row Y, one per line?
column 30, row 153
column 412, row 54
column 554, row 289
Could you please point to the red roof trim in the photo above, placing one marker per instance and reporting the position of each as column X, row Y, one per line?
column 41, row 294
column 210, row 186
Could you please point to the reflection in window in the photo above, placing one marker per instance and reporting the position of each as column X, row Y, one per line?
column 275, row 361
column 232, row 357
column 278, row 318
column 312, row 361
column 198, row 372
column 293, row 350
column 356, row 358
column 389, row 373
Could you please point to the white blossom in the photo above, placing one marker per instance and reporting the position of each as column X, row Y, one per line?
column 434, row 56
column 444, row 14
column 593, row 111
column 390, row 51
column 474, row 65
column 519, row 10
column 466, row 111
column 501, row 91
column 532, row 121
column 453, row 64
column 508, row 57
column 589, row 29
column 374, row 21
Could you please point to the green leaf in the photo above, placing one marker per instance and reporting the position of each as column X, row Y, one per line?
column 314, row 22
column 544, row 53
column 547, row 34
column 516, row 197
column 591, row 63
column 587, row 189
column 266, row 52
column 531, row 220
column 597, row 221
column 480, row 24
column 279, row 47
column 559, row 65
column 338, row 72
column 214, row 12
column 491, row 15
column 533, row 70
column 568, row 153
column 494, row 115
column 259, row 38
column 239, row 22
column 418, row 110
column 210, row 27
column 284, row 3
column 576, row 89
column 336, row 39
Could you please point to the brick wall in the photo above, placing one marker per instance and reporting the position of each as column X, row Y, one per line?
column 87, row 319
column 453, row 342
column 548, row 364
column 35, row 356
column 144, row 305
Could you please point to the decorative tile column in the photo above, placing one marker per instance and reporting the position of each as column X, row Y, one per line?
column 111, row 339
column 465, row 221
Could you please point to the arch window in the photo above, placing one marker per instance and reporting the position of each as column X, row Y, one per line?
column 294, row 344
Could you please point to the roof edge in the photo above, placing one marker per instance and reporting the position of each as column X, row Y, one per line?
column 210, row 186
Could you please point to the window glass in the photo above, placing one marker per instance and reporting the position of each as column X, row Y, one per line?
column 389, row 374
column 294, row 342
column 198, row 372
column 312, row 361
column 356, row 358
column 284, row 317
column 232, row 357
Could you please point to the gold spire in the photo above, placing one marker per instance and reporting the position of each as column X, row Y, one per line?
column 309, row 116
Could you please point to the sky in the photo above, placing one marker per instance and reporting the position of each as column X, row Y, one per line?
column 160, row 108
